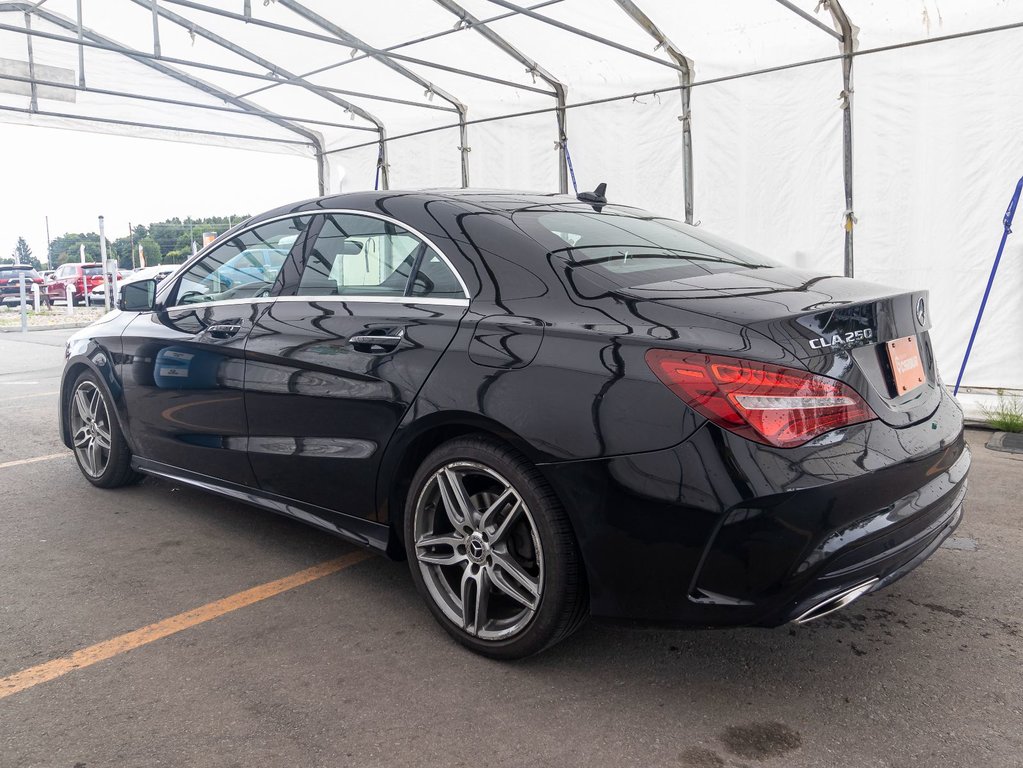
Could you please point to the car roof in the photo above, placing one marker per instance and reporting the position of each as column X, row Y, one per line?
column 501, row 201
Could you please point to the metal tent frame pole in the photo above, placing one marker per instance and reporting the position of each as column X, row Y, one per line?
column 367, row 49
column 397, row 46
column 387, row 61
column 213, row 37
column 849, row 43
column 94, row 37
column 583, row 33
column 532, row 67
column 685, row 81
column 271, row 78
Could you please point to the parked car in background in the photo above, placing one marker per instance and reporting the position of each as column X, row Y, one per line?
column 124, row 277
column 81, row 277
column 10, row 292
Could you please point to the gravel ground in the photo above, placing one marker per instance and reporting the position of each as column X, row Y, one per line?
column 53, row 317
column 350, row 670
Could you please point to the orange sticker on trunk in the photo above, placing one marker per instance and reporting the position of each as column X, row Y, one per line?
column 907, row 367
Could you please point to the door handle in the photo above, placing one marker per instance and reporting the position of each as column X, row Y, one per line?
column 223, row 331
column 385, row 341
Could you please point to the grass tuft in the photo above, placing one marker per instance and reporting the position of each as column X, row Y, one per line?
column 1007, row 416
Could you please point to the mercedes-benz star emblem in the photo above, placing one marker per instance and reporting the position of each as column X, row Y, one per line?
column 921, row 311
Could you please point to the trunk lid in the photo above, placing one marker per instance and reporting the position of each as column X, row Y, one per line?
column 835, row 326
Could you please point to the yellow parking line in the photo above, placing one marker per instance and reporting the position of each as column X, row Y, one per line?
column 94, row 654
column 34, row 459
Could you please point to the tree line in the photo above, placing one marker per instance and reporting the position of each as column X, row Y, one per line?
column 163, row 242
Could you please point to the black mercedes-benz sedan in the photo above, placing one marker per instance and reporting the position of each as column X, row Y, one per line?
column 552, row 407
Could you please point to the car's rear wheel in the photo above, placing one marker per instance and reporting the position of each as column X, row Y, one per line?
column 492, row 551
column 102, row 454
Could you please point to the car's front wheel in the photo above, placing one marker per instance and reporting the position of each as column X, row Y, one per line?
column 100, row 449
column 492, row 551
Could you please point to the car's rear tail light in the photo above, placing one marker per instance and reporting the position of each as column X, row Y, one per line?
column 767, row 403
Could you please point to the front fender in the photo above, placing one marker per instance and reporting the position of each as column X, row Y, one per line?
column 90, row 355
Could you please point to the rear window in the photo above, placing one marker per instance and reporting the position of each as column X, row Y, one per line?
column 630, row 247
column 13, row 271
column 90, row 271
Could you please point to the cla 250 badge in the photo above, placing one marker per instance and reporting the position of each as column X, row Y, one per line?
column 841, row 339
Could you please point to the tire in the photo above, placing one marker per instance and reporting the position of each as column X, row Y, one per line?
column 515, row 547
column 102, row 454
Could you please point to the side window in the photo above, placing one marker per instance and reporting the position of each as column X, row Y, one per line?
column 244, row 267
column 435, row 279
column 363, row 256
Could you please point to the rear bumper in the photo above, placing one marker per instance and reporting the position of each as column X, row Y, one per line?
column 722, row 531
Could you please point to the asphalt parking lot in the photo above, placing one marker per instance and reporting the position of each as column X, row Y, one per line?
column 342, row 665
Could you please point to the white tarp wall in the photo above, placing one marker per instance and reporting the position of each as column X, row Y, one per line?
column 937, row 127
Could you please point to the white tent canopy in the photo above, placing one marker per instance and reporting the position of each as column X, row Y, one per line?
column 494, row 93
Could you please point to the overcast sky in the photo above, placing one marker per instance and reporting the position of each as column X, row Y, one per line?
column 73, row 177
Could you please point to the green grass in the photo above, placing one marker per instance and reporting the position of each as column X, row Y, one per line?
column 1007, row 416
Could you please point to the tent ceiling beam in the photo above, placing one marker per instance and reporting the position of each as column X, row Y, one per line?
column 312, row 138
column 157, row 126
column 816, row 22
column 139, row 55
column 334, row 41
column 350, row 39
column 255, row 58
column 94, row 38
column 259, row 112
column 582, row 33
column 532, row 67
column 395, row 47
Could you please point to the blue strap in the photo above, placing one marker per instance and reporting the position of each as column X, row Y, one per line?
column 1007, row 223
column 571, row 170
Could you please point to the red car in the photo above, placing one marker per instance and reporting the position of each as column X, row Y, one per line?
column 10, row 291
column 81, row 277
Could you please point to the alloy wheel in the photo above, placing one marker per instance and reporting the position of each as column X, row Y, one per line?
column 90, row 428
column 478, row 550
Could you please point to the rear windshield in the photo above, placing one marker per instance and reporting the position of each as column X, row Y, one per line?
column 631, row 247
column 90, row 271
column 29, row 272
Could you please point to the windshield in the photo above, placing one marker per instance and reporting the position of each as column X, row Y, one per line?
column 631, row 247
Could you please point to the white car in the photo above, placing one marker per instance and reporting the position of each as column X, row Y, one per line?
column 158, row 273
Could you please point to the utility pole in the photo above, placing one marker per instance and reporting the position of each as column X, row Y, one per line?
column 48, row 264
column 110, row 282
column 131, row 242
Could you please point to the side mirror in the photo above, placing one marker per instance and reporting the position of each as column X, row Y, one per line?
column 139, row 296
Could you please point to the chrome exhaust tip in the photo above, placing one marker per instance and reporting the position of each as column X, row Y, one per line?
column 835, row 602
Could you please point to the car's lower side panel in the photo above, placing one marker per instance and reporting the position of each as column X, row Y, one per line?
column 723, row 531
column 354, row 529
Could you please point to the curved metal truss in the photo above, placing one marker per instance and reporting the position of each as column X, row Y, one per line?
column 266, row 74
